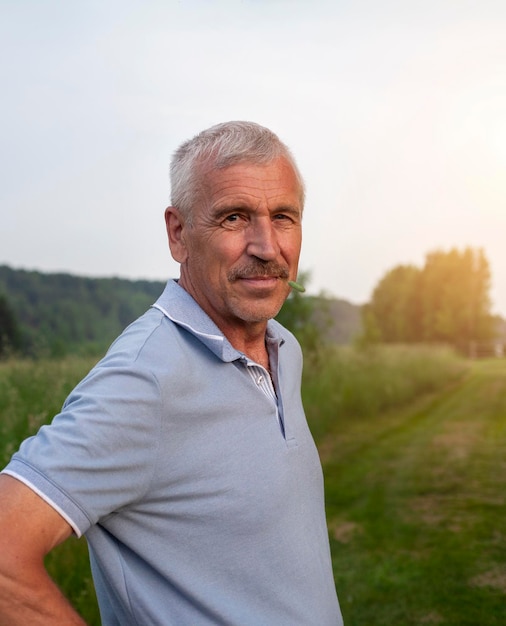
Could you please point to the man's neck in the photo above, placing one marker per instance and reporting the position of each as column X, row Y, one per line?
column 250, row 340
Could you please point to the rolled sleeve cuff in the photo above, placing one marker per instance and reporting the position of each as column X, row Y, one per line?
column 71, row 512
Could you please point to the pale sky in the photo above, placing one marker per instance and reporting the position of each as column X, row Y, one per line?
column 395, row 111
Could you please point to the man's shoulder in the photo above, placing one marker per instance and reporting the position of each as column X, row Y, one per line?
column 150, row 329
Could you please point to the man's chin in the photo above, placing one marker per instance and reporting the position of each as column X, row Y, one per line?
column 258, row 313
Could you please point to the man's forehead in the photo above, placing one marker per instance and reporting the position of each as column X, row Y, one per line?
column 278, row 175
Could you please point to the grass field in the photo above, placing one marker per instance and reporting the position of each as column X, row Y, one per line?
column 413, row 445
column 416, row 502
column 31, row 392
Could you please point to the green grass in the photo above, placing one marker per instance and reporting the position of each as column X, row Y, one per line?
column 413, row 444
column 351, row 383
column 31, row 393
column 416, row 507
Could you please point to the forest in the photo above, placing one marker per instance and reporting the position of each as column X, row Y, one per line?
column 56, row 314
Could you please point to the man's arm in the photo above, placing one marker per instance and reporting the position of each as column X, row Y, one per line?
column 29, row 529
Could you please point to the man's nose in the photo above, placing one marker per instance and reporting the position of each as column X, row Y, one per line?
column 262, row 240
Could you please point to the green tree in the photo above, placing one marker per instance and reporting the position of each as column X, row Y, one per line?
column 393, row 313
column 306, row 317
column 446, row 301
column 10, row 334
column 455, row 289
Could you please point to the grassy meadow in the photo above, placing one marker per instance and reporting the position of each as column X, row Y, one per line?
column 413, row 444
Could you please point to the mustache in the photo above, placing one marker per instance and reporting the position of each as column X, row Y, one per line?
column 269, row 268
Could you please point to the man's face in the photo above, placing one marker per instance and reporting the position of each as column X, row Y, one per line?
column 244, row 243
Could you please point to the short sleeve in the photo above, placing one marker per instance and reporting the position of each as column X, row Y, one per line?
column 99, row 454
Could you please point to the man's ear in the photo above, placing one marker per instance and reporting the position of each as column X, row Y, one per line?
column 174, row 223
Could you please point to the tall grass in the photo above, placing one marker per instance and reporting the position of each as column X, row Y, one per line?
column 31, row 393
column 346, row 383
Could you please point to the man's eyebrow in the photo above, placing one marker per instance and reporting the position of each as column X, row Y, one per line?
column 231, row 207
column 286, row 208
column 226, row 209
column 294, row 211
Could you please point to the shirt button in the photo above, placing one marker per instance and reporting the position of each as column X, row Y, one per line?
column 259, row 380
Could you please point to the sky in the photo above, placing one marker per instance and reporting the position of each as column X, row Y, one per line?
column 395, row 112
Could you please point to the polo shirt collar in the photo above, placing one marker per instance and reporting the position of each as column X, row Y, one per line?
column 179, row 306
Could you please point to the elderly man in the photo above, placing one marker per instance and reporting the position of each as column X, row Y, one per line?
column 184, row 456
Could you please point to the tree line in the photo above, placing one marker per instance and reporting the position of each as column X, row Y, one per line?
column 445, row 301
column 55, row 314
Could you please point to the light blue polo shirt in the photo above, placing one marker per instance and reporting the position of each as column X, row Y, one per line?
column 199, row 491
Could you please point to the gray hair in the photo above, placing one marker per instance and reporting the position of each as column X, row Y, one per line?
column 219, row 147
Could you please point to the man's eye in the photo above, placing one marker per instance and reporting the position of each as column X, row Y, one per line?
column 233, row 219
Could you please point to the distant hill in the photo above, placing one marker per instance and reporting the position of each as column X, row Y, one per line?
column 345, row 321
column 62, row 313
